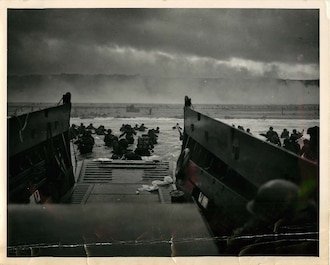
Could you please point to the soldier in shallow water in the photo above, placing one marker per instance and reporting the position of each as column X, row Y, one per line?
column 108, row 138
column 272, row 137
column 314, row 133
column 100, row 130
column 129, row 133
column 142, row 128
column 295, row 135
column 285, row 134
column 85, row 143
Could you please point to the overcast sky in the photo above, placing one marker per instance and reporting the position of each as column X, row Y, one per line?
column 275, row 43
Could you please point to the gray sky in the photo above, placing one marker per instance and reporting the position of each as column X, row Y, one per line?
column 275, row 43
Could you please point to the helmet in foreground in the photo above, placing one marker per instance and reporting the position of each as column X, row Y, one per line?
column 275, row 199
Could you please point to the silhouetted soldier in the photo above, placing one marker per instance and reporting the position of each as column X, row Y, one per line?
column 285, row 134
column 108, row 138
column 314, row 133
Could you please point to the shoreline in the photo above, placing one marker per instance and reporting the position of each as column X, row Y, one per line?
column 91, row 111
column 297, row 116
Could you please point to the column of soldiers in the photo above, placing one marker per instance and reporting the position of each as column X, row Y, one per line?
column 119, row 144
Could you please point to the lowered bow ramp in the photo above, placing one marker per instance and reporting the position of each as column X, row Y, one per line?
column 120, row 181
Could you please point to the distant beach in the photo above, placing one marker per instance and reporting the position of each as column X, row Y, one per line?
column 230, row 111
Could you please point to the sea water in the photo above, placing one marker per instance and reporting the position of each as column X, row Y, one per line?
column 169, row 144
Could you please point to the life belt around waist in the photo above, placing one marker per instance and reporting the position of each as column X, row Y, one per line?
column 182, row 163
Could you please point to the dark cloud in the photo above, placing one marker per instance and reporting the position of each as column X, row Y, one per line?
column 217, row 55
column 76, row 40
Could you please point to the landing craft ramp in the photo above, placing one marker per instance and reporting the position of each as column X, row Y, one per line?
column 105, row 181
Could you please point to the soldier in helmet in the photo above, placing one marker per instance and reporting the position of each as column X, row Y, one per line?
column 279, row 203
column 85, row 142
column 314, row 133
column 272, row 136
column 108, row 138
column 275, row 201
column 129, row 131
column 285, row 134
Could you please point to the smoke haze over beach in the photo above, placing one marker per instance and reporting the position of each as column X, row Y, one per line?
column 239, row 56
column 141, row 89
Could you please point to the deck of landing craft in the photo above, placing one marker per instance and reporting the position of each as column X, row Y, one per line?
column 115, row 181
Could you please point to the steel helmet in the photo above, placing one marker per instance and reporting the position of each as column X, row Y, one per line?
column 275, row 199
